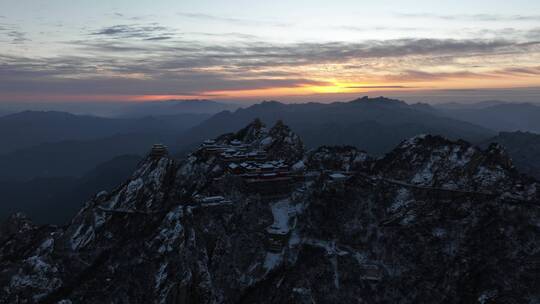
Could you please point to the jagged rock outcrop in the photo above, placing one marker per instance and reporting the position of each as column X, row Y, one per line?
column 339, row 158
column 282, row 143
column 435, row 221
column 433, row 161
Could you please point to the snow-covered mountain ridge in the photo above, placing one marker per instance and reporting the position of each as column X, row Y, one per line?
column 251, row 217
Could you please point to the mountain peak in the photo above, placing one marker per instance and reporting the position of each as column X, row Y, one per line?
column 378, row 100
column 269, row 104
column 435, row 161
column 253, row 131
column 284, row 143
column 280, row 142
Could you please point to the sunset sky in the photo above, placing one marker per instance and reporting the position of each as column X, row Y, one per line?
column 125, row 50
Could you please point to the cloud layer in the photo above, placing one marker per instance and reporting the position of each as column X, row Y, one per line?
column 474, row 17
column 153, row 59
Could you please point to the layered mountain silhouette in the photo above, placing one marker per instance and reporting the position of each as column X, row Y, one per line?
column 175, row 107
column 73, row 158
column 30, row 128
column 374, row 124
column 57, row 144
column 499, row 116
column 55, row 147
column 55, row 200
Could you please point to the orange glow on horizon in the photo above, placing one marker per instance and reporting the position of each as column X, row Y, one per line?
column 329, row 86
column 304, row 90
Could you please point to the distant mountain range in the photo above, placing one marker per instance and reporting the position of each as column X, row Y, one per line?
column 50, row 152
column 56, row 199
column 373, row 124
column 498, row 116
column 473, row 105
column 28, row 139
column 73, row 158
column 30, row 128
column 171, row 107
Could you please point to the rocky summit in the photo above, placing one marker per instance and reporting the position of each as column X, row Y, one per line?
column 251, row 217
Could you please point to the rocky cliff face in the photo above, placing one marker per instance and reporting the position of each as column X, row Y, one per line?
column 434, row 221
